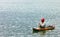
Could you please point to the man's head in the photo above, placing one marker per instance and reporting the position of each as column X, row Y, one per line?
column 42, row 20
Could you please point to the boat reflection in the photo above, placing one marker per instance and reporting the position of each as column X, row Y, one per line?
column 41, row 32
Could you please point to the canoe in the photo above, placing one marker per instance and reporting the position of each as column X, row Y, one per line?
column 43, row 29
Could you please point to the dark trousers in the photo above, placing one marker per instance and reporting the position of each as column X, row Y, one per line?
column 42, row 26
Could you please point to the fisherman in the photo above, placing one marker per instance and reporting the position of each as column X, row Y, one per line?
column 42, row 23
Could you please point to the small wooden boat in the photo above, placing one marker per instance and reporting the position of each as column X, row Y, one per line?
column 43, row 29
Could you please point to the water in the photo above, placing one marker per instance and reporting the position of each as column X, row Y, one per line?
column 17, row 18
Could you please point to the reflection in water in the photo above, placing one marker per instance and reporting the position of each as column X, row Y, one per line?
column 41, row 32
column 45, row 33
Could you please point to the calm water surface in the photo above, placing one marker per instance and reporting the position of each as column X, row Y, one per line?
column 17, row 18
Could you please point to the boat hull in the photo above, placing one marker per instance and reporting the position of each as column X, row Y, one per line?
column 43, row 29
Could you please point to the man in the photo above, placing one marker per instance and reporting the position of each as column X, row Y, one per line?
column 42, row 23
